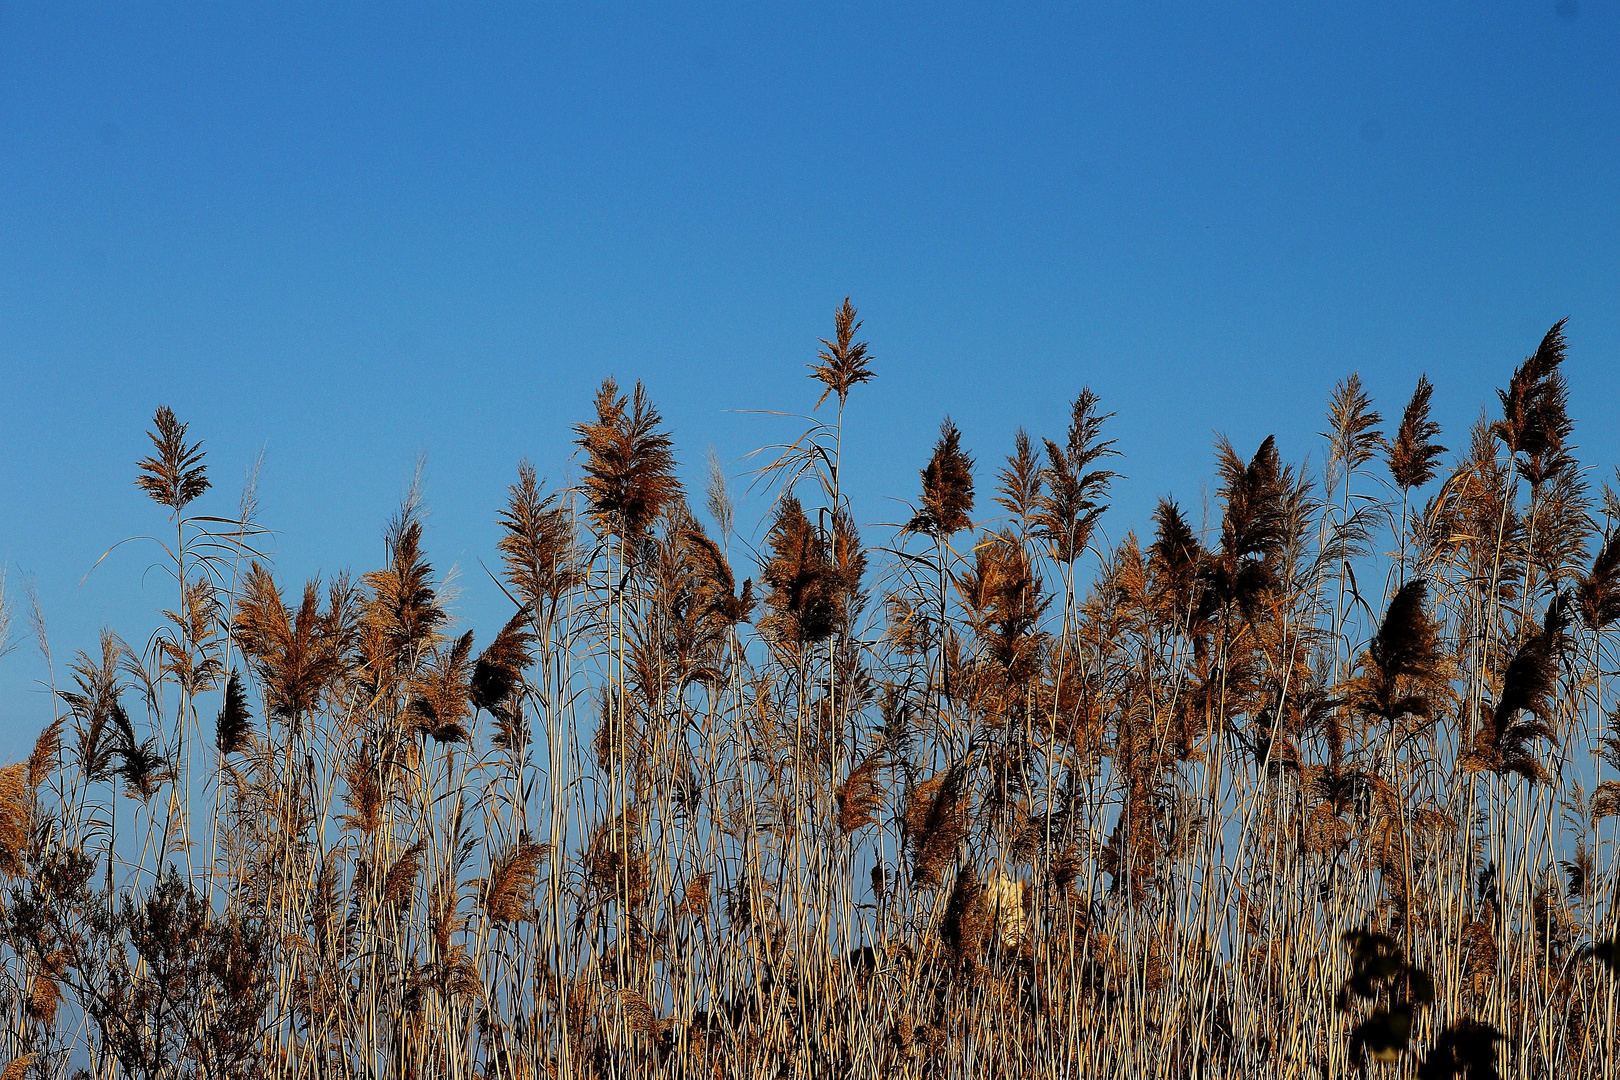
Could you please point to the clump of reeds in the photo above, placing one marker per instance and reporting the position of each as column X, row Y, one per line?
column 995, row 798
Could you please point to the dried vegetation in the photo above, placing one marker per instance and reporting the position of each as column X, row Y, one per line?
column 1291, row 792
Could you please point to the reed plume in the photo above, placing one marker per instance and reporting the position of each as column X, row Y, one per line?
column 805, row 586
column 1504, row 741
column 399, row 882
column 1020, row 482
column 402, row 615
column 14, row 820
column 537, row 545
column 860, row 796
column 1413, row 453
column 1534, row 419
column 46, row 756
column 441, row 699
column 843, row 360
column 176, row 474
column 296, row 653
column 936, row 822
column 629, row 466
column 507, row 892
column 1354, row 437
column 1597, row 592
column 1403, row 670
column 1176, row 558
column 234, row 725
column 1072, row 505
column 717, row 595
column 947, row 487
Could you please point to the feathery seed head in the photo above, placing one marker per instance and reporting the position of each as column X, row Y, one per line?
column 947, row 487
column 1413, row 452
column 844, row 361
column 176, row 474
column 629, row 467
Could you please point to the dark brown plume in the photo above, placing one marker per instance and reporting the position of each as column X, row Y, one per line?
column 947, row 487
column 1597, row 593
column 1253, row 525
column 1503, row 744
column 1534, row 422
column 1174, row 558
column 235, row 721
column 1406, row 641
column 717, row 594
column 804, row 583
column 140, row 763
column 1413, row 453
column 966, row 924
column 441, row 696
column 1401, row 671
column 499, row 669
column 1532, row 674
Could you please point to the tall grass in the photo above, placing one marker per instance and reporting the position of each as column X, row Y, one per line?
column 1296, row 791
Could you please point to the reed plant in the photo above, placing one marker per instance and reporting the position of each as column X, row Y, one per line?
column 1323, row 781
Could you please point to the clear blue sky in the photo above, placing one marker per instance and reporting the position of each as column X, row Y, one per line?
column 350, row 235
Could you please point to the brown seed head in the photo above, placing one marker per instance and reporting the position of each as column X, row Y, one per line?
column 843, row 362
column 947, row 487
column 176, row 474
column 1413, row 452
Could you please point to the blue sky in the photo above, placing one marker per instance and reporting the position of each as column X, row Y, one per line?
column 350, row 236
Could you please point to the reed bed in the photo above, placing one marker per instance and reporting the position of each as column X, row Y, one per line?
column 1324, row 784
